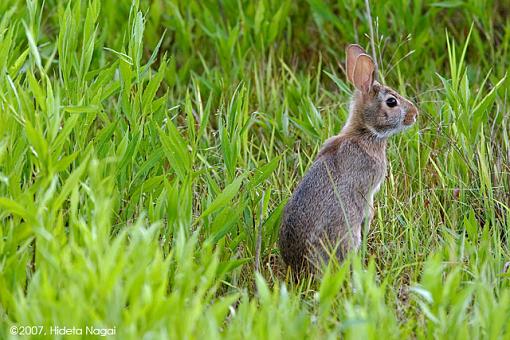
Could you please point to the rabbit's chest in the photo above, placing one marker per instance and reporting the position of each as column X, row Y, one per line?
column 378, row 174
column 374, row 191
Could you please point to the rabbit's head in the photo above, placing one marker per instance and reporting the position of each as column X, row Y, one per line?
column 375, row 107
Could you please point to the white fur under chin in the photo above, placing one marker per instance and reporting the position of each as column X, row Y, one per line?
column 385, row 134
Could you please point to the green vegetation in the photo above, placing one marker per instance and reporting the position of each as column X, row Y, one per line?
column 146, row 148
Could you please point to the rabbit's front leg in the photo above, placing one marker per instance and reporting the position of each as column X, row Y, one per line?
column 371, row 211
column 369, row 216
column 367, row 220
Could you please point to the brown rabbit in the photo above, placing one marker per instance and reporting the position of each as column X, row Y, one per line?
column 334, row 199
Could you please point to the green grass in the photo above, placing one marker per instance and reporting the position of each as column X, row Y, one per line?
column 146, row 148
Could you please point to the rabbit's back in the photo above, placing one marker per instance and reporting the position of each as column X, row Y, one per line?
column 329, row 205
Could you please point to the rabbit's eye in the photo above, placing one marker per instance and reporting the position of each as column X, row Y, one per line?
column 391, row 102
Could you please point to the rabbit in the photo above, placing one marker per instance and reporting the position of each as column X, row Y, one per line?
column 329, row 207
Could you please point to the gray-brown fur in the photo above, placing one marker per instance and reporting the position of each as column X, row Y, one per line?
column 328, row 208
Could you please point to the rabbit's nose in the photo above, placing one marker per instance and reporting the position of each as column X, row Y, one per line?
column 410, row 117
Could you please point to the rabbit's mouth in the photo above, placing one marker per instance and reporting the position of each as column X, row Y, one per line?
column 410, row 117
column 408, row 121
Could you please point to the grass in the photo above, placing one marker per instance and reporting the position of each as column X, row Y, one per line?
column 147, row 150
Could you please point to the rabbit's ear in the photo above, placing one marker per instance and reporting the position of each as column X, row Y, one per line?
column 364, row 72
column 352, row 51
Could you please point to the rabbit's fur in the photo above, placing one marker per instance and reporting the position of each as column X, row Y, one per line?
column 329, row 207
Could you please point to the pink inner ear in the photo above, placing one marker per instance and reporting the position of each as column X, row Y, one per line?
column 363, row 76
column 353, row 52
